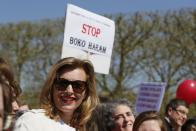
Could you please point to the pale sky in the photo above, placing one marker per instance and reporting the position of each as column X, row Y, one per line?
column 34, row 10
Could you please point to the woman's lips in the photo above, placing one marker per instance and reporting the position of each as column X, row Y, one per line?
column 67, row 99
column 127, row 125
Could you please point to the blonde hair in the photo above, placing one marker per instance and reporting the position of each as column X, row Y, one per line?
column 83, row 113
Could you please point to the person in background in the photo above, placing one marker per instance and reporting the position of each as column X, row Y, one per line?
column 6, row 97
column 8, row 76
column 189, row 125
column 1, row 109
column 118, row 115
column 97, row 121
column 68, row 97
column 11, row 92
column 149, row 121
column 176, row 114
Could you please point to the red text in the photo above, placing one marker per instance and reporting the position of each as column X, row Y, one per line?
column 90, row 30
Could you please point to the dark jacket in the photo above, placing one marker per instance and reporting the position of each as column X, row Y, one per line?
column 168, row 125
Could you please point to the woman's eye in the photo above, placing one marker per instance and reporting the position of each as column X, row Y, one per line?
column 118, row 117
column 129, row 114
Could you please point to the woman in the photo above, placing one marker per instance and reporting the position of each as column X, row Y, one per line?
column 10, row 93
column 119, row 115
column 8, row 77
column 1, row 108
column 149, row 121
column 5, row 105
column 68, row 97
column 97, row 121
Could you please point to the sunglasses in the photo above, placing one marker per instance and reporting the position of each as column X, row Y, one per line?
column 78, row 86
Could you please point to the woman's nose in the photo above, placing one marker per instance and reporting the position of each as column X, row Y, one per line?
column 15, row 106
column 69, row 88
column 126, row 118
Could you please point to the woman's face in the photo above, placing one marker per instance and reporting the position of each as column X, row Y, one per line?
column 67, row 95
column 150, row 125
column 123, row 118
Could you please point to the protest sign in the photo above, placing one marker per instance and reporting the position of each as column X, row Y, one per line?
column 150, row 96
column 88, row 36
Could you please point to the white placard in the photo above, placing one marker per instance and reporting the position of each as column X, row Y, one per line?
column 88, row 36
column 150, row 96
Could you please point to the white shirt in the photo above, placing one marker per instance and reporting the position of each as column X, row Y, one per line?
column 36, row 120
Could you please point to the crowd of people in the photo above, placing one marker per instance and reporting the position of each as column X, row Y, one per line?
column 69, row 102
